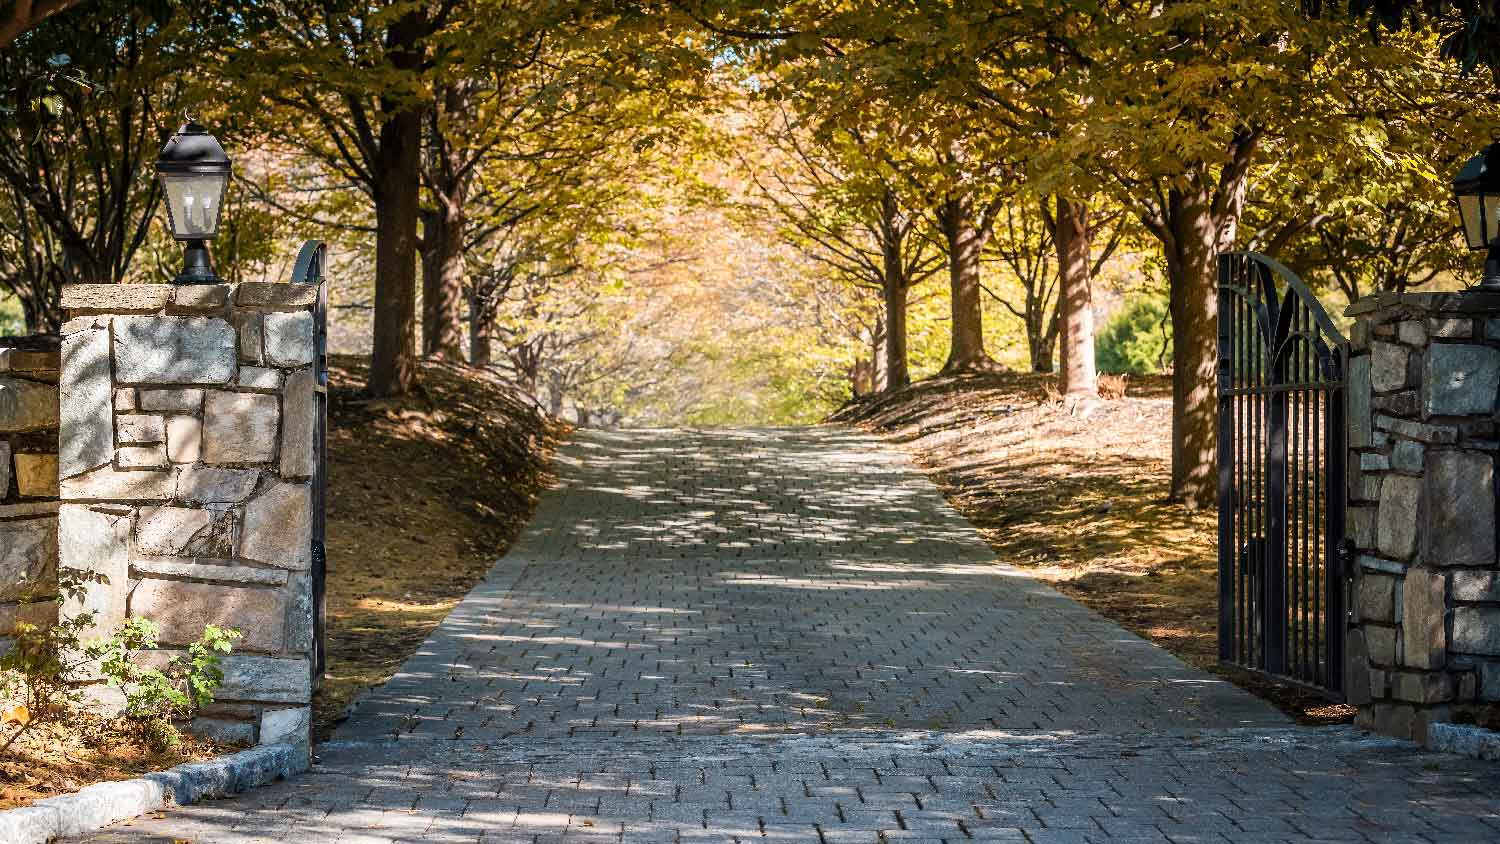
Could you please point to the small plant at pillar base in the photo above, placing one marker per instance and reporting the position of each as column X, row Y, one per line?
column 155, row 698
column 37, row 674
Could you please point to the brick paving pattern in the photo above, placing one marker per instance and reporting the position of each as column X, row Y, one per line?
column 787, row 635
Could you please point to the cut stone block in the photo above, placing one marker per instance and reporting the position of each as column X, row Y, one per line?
column 28, row 560
column 1396, row 533
column 173, row 350
column 260, row 378
column 184, row 439
column 299, row 415
column 5, row 464
column 251, row 330
column 1388, row 367
column 278, row 527
column 266, row 679
column 107, row 484
column 87, row 437
column 141, row 457
column 1422, row 619
column 299, row 613
column 1381, row 643
column 27, row 405
column 291, row 726
column 1461, row 380
column 210, row 485
column 239, row 427
column 172, row 401
column 1460, row 523
column 1476, row 630
column 36, row 475
column 1359, row 402
column 1472, row 585
column 96, row 542
column 289, row 339
column 1377, row 598
column 40, row 613
column 184, row 532
column 1412, row 333
column 1406, row 456
column 125, row 399
column 181, row 611
column 215, row 571
column 139, row 429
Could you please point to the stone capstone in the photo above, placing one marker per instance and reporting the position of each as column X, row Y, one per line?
column 173, row 350
column 87, row 437
column 1396, row 532
column 1460, row 379
column 1460, row 523
column 276, row 296
column 27, row 405
column 181, row 611
column 116, row 298
column 239, row 427
column 1422, row 618
column 278, row 527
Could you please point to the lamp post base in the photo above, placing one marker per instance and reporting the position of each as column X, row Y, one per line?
column 197, row 270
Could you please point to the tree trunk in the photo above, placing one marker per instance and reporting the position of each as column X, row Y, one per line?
column 966, row 352
column 1073, row 239
column 480, row 330
column 878, row 371
column 893, row 296
column 442, row 292
column 398, row 181
column 1193, row 277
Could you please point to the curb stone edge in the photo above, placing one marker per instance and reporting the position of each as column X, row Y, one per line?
column 101, row 804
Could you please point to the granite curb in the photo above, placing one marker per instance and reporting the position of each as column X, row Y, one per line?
column 1463, row 740
column 99, row 805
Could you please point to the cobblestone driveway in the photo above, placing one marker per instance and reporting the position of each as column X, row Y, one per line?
column 787, row 635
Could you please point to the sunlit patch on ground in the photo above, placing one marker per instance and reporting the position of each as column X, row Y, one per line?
column 1078, row 502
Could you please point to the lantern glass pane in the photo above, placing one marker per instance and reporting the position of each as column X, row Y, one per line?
column 1468, row 211
column 193, row 202
column 1490, row 204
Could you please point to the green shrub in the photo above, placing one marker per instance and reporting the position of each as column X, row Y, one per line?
column 1138, row 339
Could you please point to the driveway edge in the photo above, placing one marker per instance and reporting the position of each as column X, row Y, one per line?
column 97, row 806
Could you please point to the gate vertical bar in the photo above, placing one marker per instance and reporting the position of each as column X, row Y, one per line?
column 309, row 270
column 1228, row 549
column 1334, row 557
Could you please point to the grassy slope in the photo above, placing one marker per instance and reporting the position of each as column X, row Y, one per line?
column 1077, row 502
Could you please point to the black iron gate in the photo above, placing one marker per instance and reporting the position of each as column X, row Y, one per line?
column 309, row 270
column 1282, row 365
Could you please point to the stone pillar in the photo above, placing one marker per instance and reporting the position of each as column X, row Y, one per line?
column 186, row 453
column 1424, row 643
column 28, row 483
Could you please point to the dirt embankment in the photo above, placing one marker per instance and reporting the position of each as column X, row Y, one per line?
column 424, row 494
column 1078, row 502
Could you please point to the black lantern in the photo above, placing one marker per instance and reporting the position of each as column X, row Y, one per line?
column 194, row 172
column 1477, row 188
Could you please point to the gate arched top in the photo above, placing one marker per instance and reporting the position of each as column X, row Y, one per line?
column 1275, row 313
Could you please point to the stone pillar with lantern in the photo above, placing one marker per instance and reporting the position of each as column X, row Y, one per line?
column 1424, row 376
column 186, row 459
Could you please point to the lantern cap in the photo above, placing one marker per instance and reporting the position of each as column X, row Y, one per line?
column 191, row 149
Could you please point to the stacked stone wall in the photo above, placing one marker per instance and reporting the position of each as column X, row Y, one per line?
column 28, row 481
column 1424, row 374
column 186, row 459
